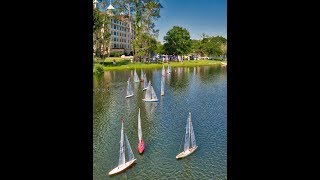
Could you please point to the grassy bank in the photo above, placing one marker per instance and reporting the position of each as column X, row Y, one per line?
column 126, row 64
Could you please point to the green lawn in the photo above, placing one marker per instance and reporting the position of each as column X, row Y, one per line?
column 126, row 64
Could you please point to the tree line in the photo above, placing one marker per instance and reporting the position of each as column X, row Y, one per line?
column 178, row 42
column 141, row 17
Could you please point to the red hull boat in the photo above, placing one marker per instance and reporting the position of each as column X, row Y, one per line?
column 141, row 146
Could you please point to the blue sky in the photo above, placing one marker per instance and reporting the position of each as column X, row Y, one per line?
column 197, row 16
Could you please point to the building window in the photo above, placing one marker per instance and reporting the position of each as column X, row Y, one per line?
column 114, row 27
column 114, row 33
column 115, row 21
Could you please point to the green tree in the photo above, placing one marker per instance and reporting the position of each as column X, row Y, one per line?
column 177, row 41
column 212, row 45
column 141, row 18
column 196, row 47
column 101, row 34
column 160, row 48
column 146, row 47
column 209, row 46
column 224, row 49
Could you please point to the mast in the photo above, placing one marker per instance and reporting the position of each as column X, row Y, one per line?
column 142, row 75
column 163, row 70
column 187, row 136
column 193, row 139
column 162, row 85
column 122, row 157
column 145, row 81
column 136, row 78
column 139, row 127
column 189, row 125
column 148, row 92
column 129, row 89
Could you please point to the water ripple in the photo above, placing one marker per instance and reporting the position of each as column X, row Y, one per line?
column 199, row 90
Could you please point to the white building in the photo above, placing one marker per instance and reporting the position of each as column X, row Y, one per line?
column 120, row 35
column 120, row 40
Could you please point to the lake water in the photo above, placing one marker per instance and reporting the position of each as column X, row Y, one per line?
column 199, row 90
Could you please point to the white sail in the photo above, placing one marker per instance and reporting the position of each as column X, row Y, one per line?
column 122, row 156
column 148, row 92
column 153, row 94
column 139, row 127
column 129, row 88
column 135, row 76
column 162, row 85
column 169, row 69
column 163, row 71
column 145, row 82
column 193, row 138
column 130, row 153
column 142, row 75
column 187, row 136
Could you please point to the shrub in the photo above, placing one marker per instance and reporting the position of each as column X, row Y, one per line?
column 98, row 68
column 116, row 54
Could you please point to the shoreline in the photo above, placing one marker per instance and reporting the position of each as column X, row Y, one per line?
column 138, row 65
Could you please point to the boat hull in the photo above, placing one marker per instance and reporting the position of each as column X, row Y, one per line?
column 129, row 96
column 150, row 100
column 144, row 89
column 141, row 147
column 186, row 153
column 122, row 168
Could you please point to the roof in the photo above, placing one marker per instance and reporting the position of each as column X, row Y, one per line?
column 110, row 7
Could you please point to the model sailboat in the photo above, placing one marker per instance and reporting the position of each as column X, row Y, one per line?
column 135, row 76
column 123, row 165
column 141, row 143
column 145, row 82
column 169, row 69
column 163, row 71
column 129, row 89
column 142, row 76
column 162, row 85
column 190, row 141
column 150, row 95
